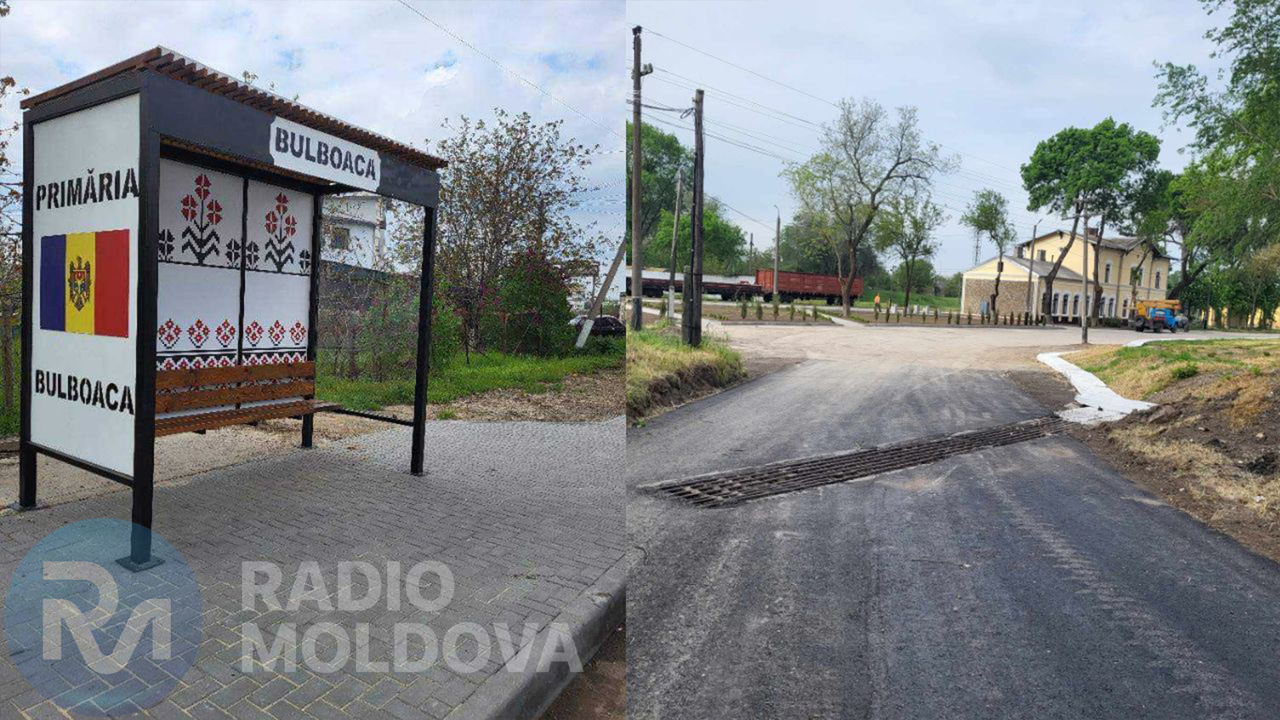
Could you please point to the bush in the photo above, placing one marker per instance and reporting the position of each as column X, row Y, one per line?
column 530, row 311
column 1182, row 372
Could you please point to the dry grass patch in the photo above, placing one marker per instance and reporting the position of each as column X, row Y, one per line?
column 663, row 371
column 1213, row 368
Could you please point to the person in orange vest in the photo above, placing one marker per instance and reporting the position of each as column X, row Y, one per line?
column 877, row 301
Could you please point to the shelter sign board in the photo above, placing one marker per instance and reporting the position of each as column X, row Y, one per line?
column 319, row 154
column 84, row 298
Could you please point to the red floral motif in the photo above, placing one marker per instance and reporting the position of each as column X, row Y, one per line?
column 198, row 333
column 225, row 333
column 298, row 332
column 290, row 225
column 282, row 203
column 169, row 333
column 215, row 213
column 253, row 333
column 272, row 220
column 202, row 186
column 276, row 332
column 189, row 205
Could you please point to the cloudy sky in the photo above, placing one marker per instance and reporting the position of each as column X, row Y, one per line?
column 990, row 79
column 375, row 64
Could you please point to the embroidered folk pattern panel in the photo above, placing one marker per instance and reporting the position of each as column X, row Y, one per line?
column 227, row 296
column 199, row 247
column 277, row 285
column 277, row 291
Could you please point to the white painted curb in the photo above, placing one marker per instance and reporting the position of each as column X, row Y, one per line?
column 1099, row 402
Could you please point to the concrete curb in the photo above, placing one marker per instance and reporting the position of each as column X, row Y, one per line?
column 1100, row 403
column 523, row 694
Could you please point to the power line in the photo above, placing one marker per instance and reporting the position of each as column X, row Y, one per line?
column 801, row 92
column 508, row 70
column 744, row 69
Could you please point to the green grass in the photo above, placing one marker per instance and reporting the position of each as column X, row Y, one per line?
column 1140, row 372
column 491, row 371
column 658, row 364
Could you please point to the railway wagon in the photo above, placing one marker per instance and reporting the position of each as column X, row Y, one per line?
column 804, row 286
column 654, row 283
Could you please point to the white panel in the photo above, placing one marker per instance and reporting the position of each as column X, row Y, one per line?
column 198, row 307
column 275, row 317
column 277, row 274
column 200, row 216
column 197, row 316
column 102, row 140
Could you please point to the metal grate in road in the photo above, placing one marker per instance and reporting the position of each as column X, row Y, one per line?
column 735, row 486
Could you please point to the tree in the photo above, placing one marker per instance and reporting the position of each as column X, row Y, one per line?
column 662, row 157
column 1093, row 172
column 988, row 215
column 510, row 187
column 10, row 238
column 868, row 157
column 906, row 229
column 1233, row 187
column 723, row 243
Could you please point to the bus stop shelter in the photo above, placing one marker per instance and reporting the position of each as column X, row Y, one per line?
column 172, row 238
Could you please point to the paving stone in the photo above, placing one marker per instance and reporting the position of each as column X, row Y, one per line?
column 525, row 515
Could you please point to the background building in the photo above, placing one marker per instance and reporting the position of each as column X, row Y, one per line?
column 356, row 230
column 1127, row 269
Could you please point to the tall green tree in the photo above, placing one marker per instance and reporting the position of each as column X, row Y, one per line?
column 905, row 230
column 1095, row 172
column 723, row 243
column 1233, row 187
column 988, row 215
column 662, row 157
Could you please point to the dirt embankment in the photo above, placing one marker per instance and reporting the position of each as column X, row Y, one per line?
column 662, row 373
column 1212, row 446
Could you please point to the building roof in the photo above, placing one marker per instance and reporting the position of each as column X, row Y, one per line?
column 179, row 67
column 1123, row 244
column 1040, row 268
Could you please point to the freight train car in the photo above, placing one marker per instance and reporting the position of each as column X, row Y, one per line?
column 654, row 283
column 804, row 286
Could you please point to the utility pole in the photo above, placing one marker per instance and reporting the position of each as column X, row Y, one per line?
column 675, row 235
column 1084, row 282
column 1031, row 264
column 692, row 325
column 777, row 244
column 637, row 292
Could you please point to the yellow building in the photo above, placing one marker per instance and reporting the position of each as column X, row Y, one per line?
column 1127, row 269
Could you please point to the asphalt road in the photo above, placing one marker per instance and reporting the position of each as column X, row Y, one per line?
column 1029, row 581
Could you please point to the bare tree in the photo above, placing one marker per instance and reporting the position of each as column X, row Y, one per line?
column 868, row 157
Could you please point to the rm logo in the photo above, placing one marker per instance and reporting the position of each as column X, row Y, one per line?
column 73, row 611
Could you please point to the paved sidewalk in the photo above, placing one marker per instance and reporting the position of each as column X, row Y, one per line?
column 528, row 516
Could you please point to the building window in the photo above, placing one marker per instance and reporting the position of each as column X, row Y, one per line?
column 1157, row 285
column 1075, row 305
column 1022, row 252
column 1040, row 253
column 340, row 238
column 1111, row 307
column 1124, row 307
column 1107, row 277
column 1055, row 303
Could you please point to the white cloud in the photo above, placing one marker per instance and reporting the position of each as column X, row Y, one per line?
column 373, row 64
column 990, row 79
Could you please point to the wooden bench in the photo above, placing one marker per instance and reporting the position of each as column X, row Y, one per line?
column 219, row 387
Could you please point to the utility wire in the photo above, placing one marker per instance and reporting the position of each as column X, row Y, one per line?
column 508, row 70
column 798, row 90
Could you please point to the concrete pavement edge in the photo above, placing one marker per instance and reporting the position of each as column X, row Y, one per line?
column 523, row 694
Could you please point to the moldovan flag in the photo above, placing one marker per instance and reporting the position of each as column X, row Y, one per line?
column 84, row 283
